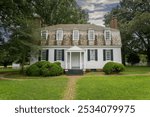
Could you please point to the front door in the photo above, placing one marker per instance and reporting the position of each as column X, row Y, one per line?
column 75, row 62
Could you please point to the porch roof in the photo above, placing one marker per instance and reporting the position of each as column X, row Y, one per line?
column 75, row 49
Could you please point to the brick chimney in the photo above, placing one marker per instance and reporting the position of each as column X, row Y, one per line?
column 114, row 22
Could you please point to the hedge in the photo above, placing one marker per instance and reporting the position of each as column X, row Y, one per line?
column 44, row 68
column 113, row 67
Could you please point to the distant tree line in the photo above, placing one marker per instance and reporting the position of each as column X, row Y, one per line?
column 134, row 23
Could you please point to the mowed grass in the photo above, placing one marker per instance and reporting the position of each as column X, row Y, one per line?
column 136, row 70
column 113, row 88
column 8, row 70
column 32, row 88
column 133, row 84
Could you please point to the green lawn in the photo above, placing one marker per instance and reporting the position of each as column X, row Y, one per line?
column 8, row 70
column 32, row 88
column 133, row 84
column 113, row 88
column 137, row 70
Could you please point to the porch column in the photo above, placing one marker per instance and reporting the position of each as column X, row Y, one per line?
column 80, row 60
column 70, row 60
column 84, row 54
column 66, row 61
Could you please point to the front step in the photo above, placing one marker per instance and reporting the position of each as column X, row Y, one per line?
column 74, row 72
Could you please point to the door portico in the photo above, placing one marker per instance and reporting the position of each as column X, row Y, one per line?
column 75, row 58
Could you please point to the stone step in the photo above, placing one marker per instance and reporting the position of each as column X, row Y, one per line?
column 74, row 72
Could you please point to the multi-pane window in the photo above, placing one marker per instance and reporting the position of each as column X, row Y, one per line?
column 59, row 34
column 59, row 55
column 107, row 35
column 44, row 34
column 91, row 34
column 108, row 54
column 92, row 54
column 44, row 55
column 75, row 34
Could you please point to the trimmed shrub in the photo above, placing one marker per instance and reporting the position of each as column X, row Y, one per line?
column 44, row 68
column 58, row 63
column 40, row 64
column 33, row 70
column 55, row 70
column 113, row 67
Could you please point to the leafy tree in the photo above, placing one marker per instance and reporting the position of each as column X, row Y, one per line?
column 23, row 41
column 18, row 16
column 60, row 12
column 133, row 58
column 5, row 57
column 133, row 19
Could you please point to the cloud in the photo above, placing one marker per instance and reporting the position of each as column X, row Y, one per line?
column 97, row 9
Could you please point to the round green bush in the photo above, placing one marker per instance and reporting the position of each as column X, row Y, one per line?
column 33, row 70
column 54, row 70
column 40, row 64
column 44, row 68
column 113, row 67
column 58, row 63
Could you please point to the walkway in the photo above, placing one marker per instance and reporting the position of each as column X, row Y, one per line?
column 71, row 88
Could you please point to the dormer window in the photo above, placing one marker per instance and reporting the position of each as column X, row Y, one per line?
column 91, row 35
column 107, row 34
column 75, row 34
column 59, row 34
column 44, row 34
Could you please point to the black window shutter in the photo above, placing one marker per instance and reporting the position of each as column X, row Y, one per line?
column 55, row 52
column 96, row 55
column 112, row 55
column 62, row 54
column 39, row 57
column 88, row 55
column 47, row 55
column 104, row 55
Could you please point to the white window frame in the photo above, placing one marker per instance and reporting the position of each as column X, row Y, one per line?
column 91, row 34
column 45, row 36
column 107, row 34
column 75, row 34
column 59, row 34
column 92, row 54
column 59, row 54
column 43, row 58
column 108, row 54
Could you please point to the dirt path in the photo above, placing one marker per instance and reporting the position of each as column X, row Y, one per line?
column 71, row 88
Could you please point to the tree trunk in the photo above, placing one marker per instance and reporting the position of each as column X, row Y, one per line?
column 22, row 63
column 5, row 65
column 148, row 56
column 123, row 56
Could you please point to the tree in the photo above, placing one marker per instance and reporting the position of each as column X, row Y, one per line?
column 5, row 57
column 23, row 41
column 18, row 16
column 133, row 58
column 60, row 12
column 133, row 19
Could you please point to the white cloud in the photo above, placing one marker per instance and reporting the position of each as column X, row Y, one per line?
column 97, row 9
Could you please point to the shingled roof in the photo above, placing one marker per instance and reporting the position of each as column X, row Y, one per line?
column 77, row 26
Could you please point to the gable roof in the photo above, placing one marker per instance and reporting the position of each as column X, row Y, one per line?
column 76, row 49
column 76, row 26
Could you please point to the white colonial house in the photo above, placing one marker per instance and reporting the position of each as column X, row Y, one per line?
column 80, row 46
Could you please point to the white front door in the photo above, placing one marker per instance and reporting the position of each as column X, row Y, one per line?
column 75, row 60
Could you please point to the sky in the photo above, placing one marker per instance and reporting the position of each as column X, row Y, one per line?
column 97, row 9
